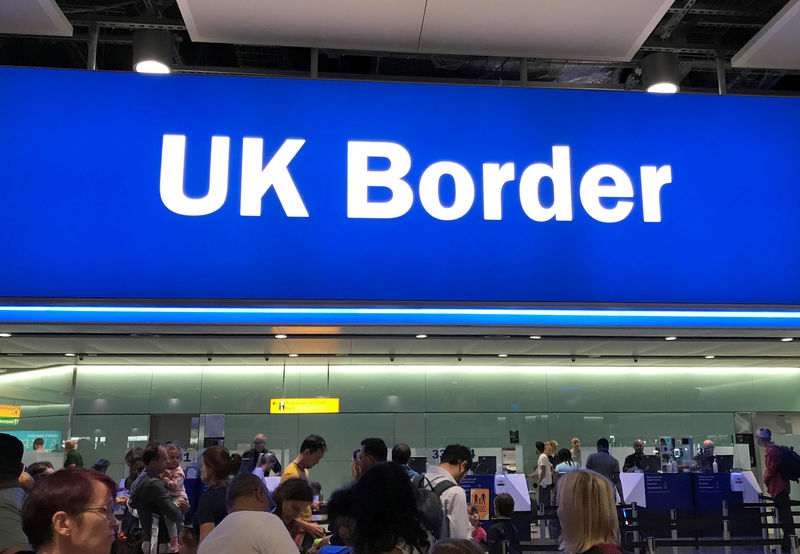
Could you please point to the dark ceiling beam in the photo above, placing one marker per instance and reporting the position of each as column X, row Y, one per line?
column 682, row 47
column 130, row 23
column 676, row 18
column 714, row 9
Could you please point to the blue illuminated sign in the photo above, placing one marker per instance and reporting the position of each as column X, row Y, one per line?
column 124, row 186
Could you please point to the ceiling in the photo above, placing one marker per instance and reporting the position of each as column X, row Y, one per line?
column 36, row 346
column 565, row 44
column 569, row 43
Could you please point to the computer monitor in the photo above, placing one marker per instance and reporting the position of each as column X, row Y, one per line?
column 486, row 465
column 418, row 464
column 724, row 463
column 651, row 464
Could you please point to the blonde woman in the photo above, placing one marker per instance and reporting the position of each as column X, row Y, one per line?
column 588, row 514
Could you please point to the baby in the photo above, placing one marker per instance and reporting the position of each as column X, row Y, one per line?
column 173, row 477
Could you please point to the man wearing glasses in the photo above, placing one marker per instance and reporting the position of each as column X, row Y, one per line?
column 250, row 457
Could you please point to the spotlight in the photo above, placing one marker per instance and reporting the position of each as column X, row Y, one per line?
column 280, row 336
column 784, row 339
column 536, row 337
column 422, row 336
column 710, row 357
column 5, row 335
column 152, row 51
column 293, row 355
column 670, row 338
column 660, row 73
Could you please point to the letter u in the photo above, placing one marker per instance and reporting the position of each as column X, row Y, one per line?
column 173, row 156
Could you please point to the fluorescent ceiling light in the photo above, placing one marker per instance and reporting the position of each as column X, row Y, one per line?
column 670, row 338
column 5, row 335
column 280, row 336
column 422, row 336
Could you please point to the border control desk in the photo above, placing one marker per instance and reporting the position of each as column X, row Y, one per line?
column 697, row 500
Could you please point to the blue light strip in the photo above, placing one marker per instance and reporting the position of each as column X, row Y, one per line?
column 399, row 316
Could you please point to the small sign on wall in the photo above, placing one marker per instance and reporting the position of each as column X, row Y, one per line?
column 9, row 415
column 513, row 436
column 304, row 406
column 481, row 498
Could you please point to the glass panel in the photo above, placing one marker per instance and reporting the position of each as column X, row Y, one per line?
column 485, row 388
column 113, row 390
column 176, row 390
column 227, row 390
column 379, row 388
column 109, row 437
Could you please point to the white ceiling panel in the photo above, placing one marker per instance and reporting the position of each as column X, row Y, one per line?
column 562, row 29
column 568, row 29
column 33, row 17
column 777, row 44
column 348, row 24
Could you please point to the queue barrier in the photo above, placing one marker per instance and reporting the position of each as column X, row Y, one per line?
column 632, row 541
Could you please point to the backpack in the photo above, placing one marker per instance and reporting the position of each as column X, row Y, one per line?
column 429, row 503
column 789, row 466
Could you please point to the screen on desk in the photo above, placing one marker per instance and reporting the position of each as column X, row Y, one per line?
column 724, row 463
column 651, row 464
column 485, row 465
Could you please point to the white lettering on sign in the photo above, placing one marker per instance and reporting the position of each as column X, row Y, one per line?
column 600, row 181
column 360, row 179
column 173, row 154
column 607, row 193
column 256, row 180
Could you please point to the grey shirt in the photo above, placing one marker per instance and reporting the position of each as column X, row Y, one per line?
column 606, row 465
column 11, row 501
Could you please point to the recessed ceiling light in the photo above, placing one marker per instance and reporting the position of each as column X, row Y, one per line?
column 535, row 337
column 709, row 357
column 670, row 338
column 280, row 336
column 784, row 339
column 502, row 355
column 70, row 355
column 422, row 336
column 293, row 355
column 5, row 335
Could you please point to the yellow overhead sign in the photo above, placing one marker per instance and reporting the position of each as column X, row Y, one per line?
column 304, row 406
column 9, row 411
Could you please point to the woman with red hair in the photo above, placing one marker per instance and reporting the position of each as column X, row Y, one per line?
column 72, row 512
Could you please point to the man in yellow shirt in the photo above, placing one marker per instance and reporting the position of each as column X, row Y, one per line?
column 311, row 452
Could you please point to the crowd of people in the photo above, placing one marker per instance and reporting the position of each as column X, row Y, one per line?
column 388, row 508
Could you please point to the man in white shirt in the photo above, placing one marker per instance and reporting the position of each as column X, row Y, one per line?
column 543, row 475
column 248, row 528
column 456, row 462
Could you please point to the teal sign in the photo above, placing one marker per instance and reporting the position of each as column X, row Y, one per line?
column 52, row 439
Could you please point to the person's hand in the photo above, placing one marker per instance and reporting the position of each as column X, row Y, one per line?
column 314, row 530
column 315, row 506
column 183, row 504
column 121, row 499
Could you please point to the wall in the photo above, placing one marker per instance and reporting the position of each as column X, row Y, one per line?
column 424, row 406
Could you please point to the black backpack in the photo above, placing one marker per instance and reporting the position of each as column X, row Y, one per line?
column 790, row 463
column 429, row 503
